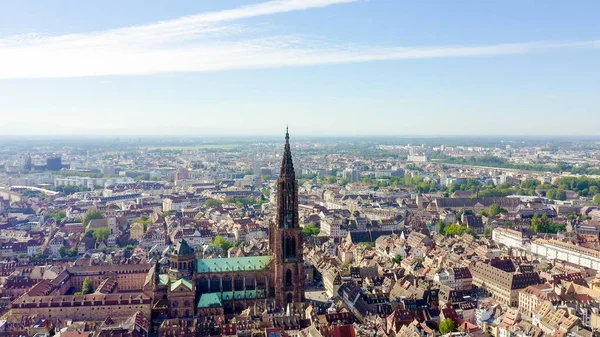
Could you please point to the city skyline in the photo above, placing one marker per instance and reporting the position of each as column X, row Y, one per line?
column 326, row 67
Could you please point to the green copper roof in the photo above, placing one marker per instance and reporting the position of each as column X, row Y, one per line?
column 163, row 279
column 239, row 295
column 210, row 300
column 183, row 281
column 219, row 265
column 215, row 299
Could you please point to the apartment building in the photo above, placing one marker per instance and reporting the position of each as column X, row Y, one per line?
column 503, row 280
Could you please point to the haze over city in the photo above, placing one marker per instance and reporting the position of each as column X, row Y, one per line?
column 327, row 67
column 299, row 168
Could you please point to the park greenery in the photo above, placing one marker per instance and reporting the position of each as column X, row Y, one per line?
column 144, row 220
column 456, row 230
column 88, row 286
column 101, row 233
column 582, row 185
column 310, row 230
column 223, row 243
column 68, row 190
column 447, row 326
column 493, row 161
column 58, row 216
column 90, row 215
column 493, row 210
column 212, row 203
column 543, row 225
column 62, row 251
column 241, row 202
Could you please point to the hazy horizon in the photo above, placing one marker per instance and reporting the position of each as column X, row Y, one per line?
column 299, row 136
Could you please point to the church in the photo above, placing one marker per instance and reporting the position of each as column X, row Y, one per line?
column 188, row 286
column 217, row 286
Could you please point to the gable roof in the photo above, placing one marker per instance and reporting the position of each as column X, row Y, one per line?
column 183, row 249
column 181, row 282
column 163, row 279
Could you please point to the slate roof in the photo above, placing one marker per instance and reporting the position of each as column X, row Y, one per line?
column 183, row 249
column 220, row 265
column 367, row 236
column 462, row 273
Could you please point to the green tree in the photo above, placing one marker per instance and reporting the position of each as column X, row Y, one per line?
column 223, row 243
column 597, row 199
column 535, row 223
column 144, row 220
column 62, row 251
column 101, row 233
column 494, row 210
column 458, row 230
column 212, row 203
column 545, row 219
column 556, row 194
column 266, row 192
column 91, row 215
column 486, row 232
column 441, row 227
column 58, row 216
column 397, row 259
column 88, row 286
column 241, row 201
column 310, row 230
column 73, row 252
column 447, row 325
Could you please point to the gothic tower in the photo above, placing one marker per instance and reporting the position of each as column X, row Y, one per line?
column 285, row 237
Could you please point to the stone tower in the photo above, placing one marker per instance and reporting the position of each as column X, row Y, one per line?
column 285, row 237
column 183, row 262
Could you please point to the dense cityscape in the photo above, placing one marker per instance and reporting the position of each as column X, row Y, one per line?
column 299, row 168
column 351, row 237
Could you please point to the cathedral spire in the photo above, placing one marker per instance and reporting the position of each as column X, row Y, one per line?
column 285, row 235
column 287, row 167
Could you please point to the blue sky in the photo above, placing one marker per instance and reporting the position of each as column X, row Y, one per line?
column 325, row 67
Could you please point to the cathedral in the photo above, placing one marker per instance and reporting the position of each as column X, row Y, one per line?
column 188, row 286
column 217, row 286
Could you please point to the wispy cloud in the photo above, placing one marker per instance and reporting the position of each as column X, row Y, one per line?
column 211, row 42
